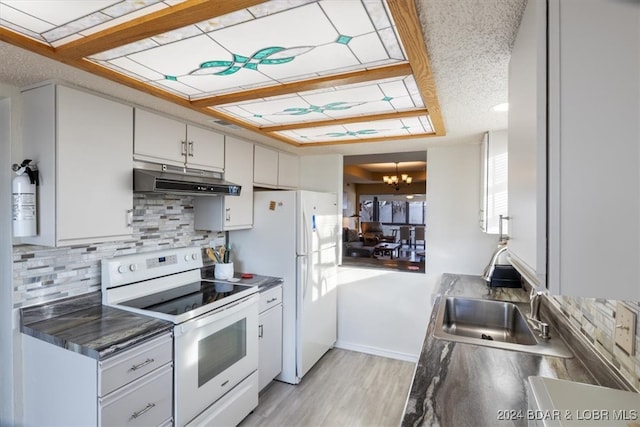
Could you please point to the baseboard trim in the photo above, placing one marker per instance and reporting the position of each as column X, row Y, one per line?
column 377, row 351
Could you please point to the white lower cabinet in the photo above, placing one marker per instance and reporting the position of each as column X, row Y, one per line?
column 270, row 334
column 65, row 388
column 142, row 403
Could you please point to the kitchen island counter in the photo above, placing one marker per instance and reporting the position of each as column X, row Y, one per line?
column 83, row 325
column 457, row 384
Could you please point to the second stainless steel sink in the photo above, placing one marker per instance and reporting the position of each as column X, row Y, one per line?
column 497, row 324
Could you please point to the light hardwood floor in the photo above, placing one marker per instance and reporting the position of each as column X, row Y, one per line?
column 345, row 388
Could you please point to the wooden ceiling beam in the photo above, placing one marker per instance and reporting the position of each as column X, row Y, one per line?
column 352, row 77
column 347, row 120
column 167, row 19
column 358, row 141
column 405, row 16
column 27, row 43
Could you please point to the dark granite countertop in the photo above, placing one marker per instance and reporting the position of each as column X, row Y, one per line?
column 83, row 325
column 457, row 384
column 263, row 283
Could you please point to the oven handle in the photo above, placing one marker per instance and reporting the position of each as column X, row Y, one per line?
column 216, row 315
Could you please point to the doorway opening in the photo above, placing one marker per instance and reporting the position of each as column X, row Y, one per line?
column 384, row 224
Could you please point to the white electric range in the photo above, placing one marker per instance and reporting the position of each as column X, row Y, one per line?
column 215, row 332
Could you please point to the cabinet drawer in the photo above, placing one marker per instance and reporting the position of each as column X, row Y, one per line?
column 270, row 298
column 146, row 402
column 134, row 363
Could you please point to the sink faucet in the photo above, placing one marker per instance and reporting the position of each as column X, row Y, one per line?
column 534, row 301
column 534, row 316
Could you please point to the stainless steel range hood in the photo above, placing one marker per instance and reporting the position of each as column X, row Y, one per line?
column 152, row 181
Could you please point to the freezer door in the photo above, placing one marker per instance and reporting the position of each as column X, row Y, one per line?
column 317, row 308
column 318, row 219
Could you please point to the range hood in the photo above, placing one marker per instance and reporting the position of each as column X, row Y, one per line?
column 152, row 181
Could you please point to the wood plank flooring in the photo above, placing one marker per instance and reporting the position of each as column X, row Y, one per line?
column 345, row 388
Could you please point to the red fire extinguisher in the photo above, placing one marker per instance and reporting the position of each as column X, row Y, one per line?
column 24, row 199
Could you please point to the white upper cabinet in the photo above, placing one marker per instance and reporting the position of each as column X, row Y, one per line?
column 265, row 167
column 276, row 169
column 223, row 213
column 594, row 148
column 288, row 171
column 205, row 149
column 590, row 91
column 494, row 178
column 82, row 144
column 160, row 139
column 527, row 144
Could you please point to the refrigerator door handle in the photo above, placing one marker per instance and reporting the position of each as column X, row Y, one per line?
column 304, row 276
column 306, row 239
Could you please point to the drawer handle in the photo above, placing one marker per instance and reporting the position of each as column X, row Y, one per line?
column 260, row 331
column 145, row 363
column 141, row 412
column 269, row 301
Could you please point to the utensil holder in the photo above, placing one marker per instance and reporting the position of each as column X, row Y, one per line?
column 223, row 271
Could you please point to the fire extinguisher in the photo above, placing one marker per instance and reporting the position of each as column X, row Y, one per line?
column 24, row 199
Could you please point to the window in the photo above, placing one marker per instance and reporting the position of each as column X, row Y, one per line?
column 393, row 209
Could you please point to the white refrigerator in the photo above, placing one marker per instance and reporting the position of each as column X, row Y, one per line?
column 295, row 236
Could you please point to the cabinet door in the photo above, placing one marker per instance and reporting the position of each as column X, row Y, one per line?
column 527, row 145
column 94, row 185
column 238, row 161
column 594, row 148
column 159, row 139
column 288, row 171
column 265, row 167
column 270, row 345
column 205, row 149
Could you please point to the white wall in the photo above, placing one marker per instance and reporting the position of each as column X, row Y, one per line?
column 455, row 243
column 385, row 312
column 10, row 354
column 382, row 312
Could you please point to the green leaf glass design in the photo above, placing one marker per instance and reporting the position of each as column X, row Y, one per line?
column 350, row 133
column 274, row 55
column 332, row 106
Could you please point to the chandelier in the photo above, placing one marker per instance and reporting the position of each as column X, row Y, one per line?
column 396, row 180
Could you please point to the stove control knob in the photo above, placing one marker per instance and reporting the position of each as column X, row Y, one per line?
column 133, row 267
column 122, row 269
column 194, row 256
column 186, row 258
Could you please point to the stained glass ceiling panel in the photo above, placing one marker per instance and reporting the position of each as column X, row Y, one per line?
column 281, row 68
column 413, row 126
column 384, row 96
column 273, row 43
column 60, row 21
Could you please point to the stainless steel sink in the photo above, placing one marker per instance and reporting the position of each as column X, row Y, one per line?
column 497, row 324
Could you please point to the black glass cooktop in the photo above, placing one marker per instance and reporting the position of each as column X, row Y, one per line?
column 185, row 298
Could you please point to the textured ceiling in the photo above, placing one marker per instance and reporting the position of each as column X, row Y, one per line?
column 469, row 44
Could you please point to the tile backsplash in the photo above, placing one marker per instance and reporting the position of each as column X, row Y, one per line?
column 43, row 274
column 596, row 319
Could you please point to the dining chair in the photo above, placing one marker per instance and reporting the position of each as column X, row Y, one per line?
column 405, row 234
column 419, row 235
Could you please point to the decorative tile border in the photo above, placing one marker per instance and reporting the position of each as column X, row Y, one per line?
column 42, row 274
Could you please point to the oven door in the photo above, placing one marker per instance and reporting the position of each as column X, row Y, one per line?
column 213, row 353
